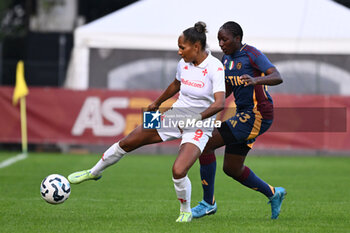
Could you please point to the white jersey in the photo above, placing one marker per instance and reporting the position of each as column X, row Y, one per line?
column 199, row 83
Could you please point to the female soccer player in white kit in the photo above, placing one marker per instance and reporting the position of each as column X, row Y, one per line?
column 201, row 83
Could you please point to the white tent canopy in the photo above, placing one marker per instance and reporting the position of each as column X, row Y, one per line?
column 273, row 26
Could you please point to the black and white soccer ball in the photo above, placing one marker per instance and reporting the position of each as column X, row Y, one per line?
column 55, row 189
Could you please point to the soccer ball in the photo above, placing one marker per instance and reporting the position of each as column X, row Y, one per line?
column 55, row 189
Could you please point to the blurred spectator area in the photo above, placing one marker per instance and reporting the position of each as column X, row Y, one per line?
column 45, row 55
column 30, row 34
column 34, row 31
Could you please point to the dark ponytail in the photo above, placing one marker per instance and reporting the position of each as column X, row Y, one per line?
column 197, row 33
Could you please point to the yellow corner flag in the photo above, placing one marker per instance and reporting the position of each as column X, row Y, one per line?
column 21, row 90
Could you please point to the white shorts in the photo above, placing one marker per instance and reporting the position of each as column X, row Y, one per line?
column 194, row 135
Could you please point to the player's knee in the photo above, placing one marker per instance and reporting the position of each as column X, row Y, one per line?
column 126, row 146
column 179, row 172
column 227, row 171
column 231, row 171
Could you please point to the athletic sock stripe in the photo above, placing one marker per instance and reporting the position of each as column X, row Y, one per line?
column 272, row 189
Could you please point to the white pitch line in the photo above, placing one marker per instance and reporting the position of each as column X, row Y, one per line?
column 10, row 161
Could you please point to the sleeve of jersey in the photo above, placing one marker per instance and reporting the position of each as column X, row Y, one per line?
column 263, row 63
column 219, row 79
column 178, row 71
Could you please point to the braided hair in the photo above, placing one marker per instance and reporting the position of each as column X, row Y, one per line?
column 233, row 28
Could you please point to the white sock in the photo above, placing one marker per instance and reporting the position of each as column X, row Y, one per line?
column 111, row 156
column 183, row 191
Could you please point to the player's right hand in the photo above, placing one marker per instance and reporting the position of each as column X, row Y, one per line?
column 247, row 80
column 153, row 107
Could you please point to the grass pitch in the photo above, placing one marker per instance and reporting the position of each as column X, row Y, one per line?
column 137, row 195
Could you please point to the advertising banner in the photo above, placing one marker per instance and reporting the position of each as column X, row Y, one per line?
column 102, row 117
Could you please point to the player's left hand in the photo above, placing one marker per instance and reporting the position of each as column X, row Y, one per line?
column 247, row 80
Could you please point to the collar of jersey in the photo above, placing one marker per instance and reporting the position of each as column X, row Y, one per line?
column 243, row 46
column 205, row 62
column 239, row 52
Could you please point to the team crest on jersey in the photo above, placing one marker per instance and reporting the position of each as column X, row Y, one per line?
column 239, row 65
column 205, row 72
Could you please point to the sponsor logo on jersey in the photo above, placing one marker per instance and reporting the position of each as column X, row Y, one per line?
column 185, row 67
column 219, row 69
column 234, row 80
column 193, row 83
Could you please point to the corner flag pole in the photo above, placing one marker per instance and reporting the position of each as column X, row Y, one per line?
column 24, row 125
column 20, row 93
